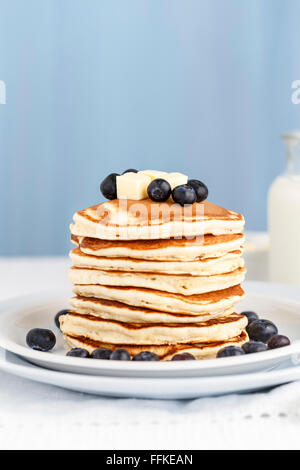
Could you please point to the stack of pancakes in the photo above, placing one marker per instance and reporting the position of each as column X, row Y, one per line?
column 156, row 280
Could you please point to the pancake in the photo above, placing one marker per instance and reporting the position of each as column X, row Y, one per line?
column 165, row 352
column 177, row 284
column 134, row 220
column 113, row 310
column 157, row 277
column 209, row 266
column 211, row 302
column 183, row 249
column 112, row 331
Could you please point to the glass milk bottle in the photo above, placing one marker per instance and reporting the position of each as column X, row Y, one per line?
column 284, row 217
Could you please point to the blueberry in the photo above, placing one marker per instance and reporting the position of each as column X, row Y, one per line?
column 41, row 339
column 58, row 315
column 146, row 356
column 254, row 347
column 101, row 353
column 120, row 355
column 251, row 316
column 261, row 330
column 230, row 351
column 184, row 194
column 159, row 190
column 278, row 341
column 130, row 170
column 200, row 189
column 78, row 352
column 108, row 187
column 183, row 357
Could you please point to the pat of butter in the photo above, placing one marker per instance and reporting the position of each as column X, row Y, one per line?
column 133, row 186
column 154, row 174
column 176, row 179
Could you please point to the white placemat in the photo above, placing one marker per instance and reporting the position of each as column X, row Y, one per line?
column 37, row 416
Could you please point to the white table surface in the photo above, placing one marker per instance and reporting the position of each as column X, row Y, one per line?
column 37, row 416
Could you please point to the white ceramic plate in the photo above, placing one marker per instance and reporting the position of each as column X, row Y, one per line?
column 156, row 388
column 20, row 315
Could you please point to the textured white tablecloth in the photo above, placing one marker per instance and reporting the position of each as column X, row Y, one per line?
column 37, row 416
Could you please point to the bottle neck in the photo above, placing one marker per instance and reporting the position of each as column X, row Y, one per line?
column 292, row 141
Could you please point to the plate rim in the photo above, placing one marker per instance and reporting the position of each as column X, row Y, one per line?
column 38, row 374
column 37, row 301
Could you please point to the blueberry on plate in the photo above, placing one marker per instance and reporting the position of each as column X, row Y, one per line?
column 108, row 187
column 130, row 170
column 261, row 330
column 184, row 194
column 101, row 353
column 146, row 356
column 58, row 315
column 159, row 190
column 254, row 347
column 120, row 355
column 200, row 189
column 41, row 339
column 183, row 357
column 251, row 316
column 278, row 341
column 78, row 352
column 230, row 351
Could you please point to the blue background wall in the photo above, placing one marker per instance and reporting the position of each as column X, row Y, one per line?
column 94, row 86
